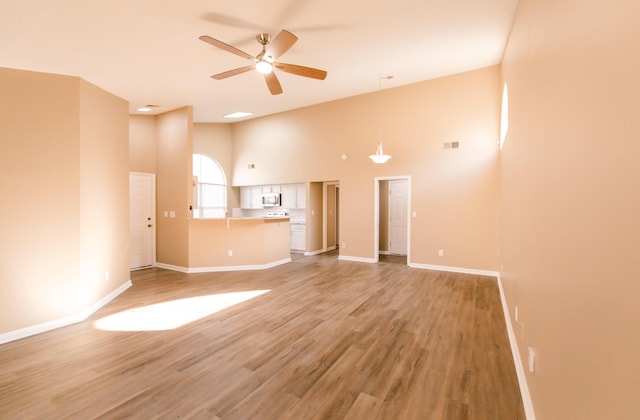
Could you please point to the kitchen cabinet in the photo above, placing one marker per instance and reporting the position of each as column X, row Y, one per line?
column 271, row 189
column 294, row 196
column 289, row 196
column 301, row 196
column 251, row 197
column 298, row 237
column 245, row 197
column 256, row 197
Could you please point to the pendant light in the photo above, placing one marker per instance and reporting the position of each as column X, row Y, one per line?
column 379, row 157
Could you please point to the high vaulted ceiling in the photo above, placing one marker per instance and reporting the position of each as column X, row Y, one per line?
column 148, row 52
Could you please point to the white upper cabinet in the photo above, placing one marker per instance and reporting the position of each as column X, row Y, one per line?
column 251, row 197
column 271, row 189
column 289, row 196
column 301, row 196
column 294, row 196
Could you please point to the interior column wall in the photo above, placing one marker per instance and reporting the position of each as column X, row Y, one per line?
column 174, row 184
column 571, row 208
column 55, row 130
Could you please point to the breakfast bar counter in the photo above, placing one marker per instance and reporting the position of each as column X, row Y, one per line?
column 238, row 243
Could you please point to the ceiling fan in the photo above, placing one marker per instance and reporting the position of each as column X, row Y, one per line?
column 265, row 62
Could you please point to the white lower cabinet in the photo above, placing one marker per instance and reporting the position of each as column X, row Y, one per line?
column 298, row 237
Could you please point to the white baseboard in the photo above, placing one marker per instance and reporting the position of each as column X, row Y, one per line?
column 190, row 270
column 63, row 322
column 310, row 253
column 171, row 267
column 454, row 269
column 517, row 360
column 356, row 259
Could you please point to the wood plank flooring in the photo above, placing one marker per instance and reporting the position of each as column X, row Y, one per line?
column 330, row 340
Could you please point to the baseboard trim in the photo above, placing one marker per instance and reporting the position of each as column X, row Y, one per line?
column 356, row 259
column 171, row 267
column 310, row 253
column 454, row 269
column 63, row 322
column 191, row 270
column 517, row 360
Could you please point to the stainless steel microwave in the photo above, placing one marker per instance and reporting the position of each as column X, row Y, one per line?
column 270, row 199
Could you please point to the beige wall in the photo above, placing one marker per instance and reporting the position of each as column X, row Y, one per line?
column 104, row 191
column 55, row 131
column 174, row 185
column 571, row 204
column 143, row 133
column 215, row 141
column 314, row 219
column 455, row 191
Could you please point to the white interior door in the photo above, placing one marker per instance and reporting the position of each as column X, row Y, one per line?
column 398, row 197
column 142, row 219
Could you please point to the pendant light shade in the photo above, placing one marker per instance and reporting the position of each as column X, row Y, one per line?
column 379, row 157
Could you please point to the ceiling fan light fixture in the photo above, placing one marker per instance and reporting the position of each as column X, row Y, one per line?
column 264, row 67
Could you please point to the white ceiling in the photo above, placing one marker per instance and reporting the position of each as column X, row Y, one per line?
column 148, row 52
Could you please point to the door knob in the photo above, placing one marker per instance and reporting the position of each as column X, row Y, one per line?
column 149, row 225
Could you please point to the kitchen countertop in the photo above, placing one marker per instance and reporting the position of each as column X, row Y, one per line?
column 280, row 218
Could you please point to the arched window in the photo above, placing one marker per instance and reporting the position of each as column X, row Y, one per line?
column 210, row 188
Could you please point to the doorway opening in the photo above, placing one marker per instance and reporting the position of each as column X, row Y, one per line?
column 392, row 222
column 330, row 219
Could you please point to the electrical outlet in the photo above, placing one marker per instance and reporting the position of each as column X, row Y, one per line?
column 231, row 252
column 441, row 252
column 344, row 245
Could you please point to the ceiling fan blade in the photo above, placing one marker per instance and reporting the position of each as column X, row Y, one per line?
column 280, row 45
column 273, row 83
column 226, row 47
column 233, row 72
column 226, row 20
column 301, row 70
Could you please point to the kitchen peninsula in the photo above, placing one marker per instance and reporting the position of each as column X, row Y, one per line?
column 238, row 243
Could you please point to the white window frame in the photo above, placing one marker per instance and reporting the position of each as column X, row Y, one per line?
column 199, row 210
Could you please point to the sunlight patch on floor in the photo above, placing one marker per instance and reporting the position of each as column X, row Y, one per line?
column 172, row 314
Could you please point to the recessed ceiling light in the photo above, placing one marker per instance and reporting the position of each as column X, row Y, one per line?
column 147, row 108
column 238, row 114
